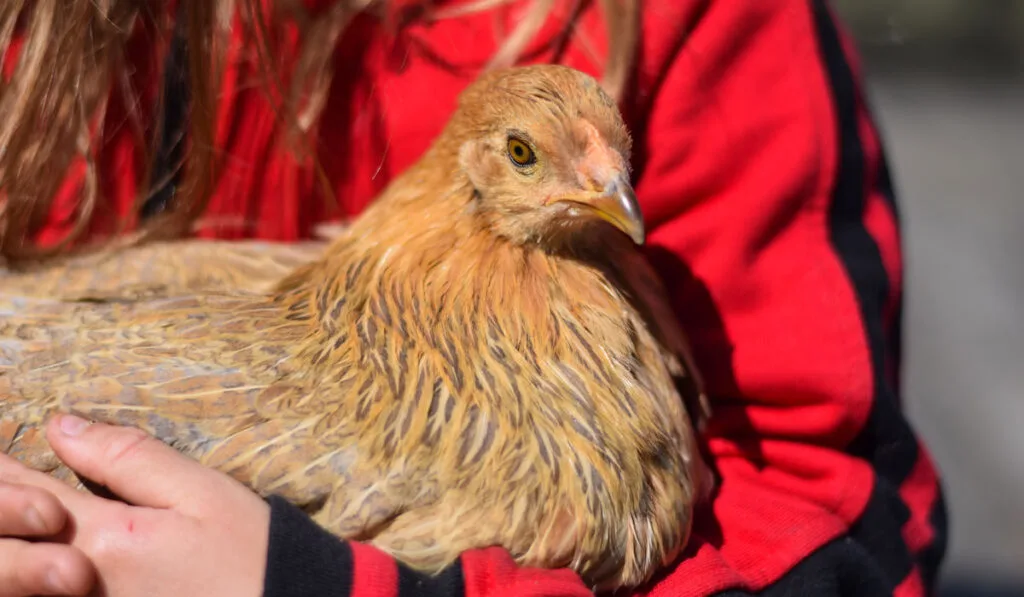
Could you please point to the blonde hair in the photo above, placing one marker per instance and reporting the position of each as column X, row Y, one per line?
column 73, row 62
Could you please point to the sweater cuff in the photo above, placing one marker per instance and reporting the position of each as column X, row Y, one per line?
column 302, row 558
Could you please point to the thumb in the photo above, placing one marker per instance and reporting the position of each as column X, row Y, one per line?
column 131, row 463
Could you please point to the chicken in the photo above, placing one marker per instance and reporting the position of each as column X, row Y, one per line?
column 482, row 358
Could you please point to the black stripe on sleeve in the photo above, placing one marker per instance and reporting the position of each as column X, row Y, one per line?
column 448, row 583
column 304, row 560
column 887, row 440
column 873, row 558
column 166, row 170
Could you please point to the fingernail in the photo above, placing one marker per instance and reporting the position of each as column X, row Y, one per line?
column 72, row 425
column 34, row 518
column 55, row 582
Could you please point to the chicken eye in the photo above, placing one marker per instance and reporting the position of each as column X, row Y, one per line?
column 520, row 153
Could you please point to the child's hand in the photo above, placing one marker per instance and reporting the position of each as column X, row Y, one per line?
column 189, row 531
column 30, row 568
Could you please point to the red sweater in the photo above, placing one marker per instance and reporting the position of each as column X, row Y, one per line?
column 773, row 224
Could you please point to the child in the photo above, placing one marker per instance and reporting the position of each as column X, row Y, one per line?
column 763, row 184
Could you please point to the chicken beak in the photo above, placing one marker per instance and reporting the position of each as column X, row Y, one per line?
column 617, row 205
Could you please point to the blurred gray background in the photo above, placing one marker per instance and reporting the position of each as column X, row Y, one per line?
column 946, row 80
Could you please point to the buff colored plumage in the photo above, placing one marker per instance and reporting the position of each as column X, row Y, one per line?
column 479, row 359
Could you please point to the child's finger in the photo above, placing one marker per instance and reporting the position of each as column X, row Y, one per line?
column 27, row 511
column 43, row 569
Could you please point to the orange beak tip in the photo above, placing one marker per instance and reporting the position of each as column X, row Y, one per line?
column 616, row 204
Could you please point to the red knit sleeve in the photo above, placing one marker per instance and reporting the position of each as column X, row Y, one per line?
column 773, row 222
column 304, row 559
